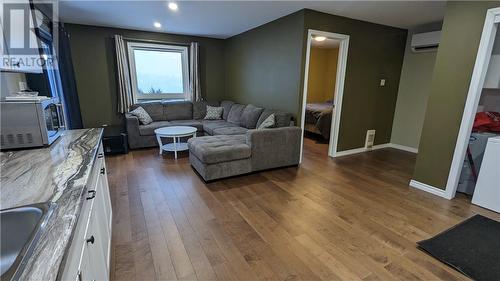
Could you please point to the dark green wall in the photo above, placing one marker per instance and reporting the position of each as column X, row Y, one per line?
column 94, row 63
column 462, row 28
column 375, row 52
column 264, row 65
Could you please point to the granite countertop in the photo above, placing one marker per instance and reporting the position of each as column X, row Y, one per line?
column 56, row 174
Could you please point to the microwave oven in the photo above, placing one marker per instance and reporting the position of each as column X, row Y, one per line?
column 30, row 123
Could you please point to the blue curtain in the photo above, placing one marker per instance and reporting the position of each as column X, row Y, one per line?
column 68, row 82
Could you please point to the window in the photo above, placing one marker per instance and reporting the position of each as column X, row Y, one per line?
column 158, row 71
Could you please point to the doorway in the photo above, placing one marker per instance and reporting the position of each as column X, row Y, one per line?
column 484, row 87
column 324, row 75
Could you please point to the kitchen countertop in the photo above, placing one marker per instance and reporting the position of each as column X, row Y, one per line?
column 56, row 174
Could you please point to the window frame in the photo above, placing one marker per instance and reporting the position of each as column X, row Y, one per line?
column 183, row 50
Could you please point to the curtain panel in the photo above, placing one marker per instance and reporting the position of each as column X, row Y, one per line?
column 124, row 87
column 194, row 72
column 68, row 81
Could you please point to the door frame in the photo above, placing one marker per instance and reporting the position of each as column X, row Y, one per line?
column 475, row 88
column 339, row 87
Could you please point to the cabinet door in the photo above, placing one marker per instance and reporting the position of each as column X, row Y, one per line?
column 102, row 219
column 107, row 199
column 95, row 242
column 84, row 269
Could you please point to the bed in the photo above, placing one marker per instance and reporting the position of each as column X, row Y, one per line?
column 319, row 118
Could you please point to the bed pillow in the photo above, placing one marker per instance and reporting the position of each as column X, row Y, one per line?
column 142, row 115
column 214, row 113
column 269, row 122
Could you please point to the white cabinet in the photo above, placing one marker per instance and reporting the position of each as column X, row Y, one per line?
column 89, row 253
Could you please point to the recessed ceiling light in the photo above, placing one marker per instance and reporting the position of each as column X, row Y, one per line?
column 173, row 6
column 157, row 24
column 320, row 38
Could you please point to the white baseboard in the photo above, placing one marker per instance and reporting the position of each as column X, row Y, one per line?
column 429, row 188
column 375, row 147
column 403, row 147
column 360, row 150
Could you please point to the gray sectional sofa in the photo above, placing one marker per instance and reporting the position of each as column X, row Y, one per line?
column 227, row 147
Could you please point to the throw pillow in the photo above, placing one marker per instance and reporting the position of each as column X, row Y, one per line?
column 269, row 122
column 235, row 113
column 214, row 113
column 142, row 115
column 250, row 116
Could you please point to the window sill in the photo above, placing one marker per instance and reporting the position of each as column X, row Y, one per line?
column 139, row 101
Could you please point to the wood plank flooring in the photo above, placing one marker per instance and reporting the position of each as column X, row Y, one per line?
column 352, row 218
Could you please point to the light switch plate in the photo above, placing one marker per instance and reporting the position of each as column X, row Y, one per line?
column 382, row 82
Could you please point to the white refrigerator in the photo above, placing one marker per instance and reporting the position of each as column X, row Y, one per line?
column 487, row 192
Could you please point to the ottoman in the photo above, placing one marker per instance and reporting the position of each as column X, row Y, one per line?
column 220, row 156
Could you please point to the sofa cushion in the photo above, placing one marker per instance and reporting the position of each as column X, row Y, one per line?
column 217, row 149
column 282, row 119
column 192, row 123
column 200, row 108
column 154, row 109
column 210, row 125
column 178, row 110
column 250, row 116
column 235, row 113
column 227, row 107
column 149, row 129
column 229, row 131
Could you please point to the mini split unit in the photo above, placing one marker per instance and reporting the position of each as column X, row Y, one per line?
column 425, row 42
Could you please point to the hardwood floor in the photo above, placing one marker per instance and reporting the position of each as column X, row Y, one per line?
column 352, row 218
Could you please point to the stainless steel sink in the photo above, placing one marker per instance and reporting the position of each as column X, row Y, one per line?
column 20, row 230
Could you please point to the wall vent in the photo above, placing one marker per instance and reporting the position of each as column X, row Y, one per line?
column 370, row 139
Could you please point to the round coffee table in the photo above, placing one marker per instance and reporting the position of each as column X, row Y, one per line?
column 175, row 132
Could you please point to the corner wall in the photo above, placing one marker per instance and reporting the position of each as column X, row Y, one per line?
column 264, row 64
column 462, row 28
column 414, row 91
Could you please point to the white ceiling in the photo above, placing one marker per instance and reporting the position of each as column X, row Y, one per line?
column 327, row 44
column 222, row 19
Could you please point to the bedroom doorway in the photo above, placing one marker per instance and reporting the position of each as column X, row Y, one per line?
column 326, row 59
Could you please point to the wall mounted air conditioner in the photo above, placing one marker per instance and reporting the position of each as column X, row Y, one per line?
column 425, row 42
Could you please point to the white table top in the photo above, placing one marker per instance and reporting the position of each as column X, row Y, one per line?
column 175, row 131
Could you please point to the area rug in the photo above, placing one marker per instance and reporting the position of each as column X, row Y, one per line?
column 471, row 247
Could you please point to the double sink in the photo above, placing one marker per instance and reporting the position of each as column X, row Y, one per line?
column 20, row 228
